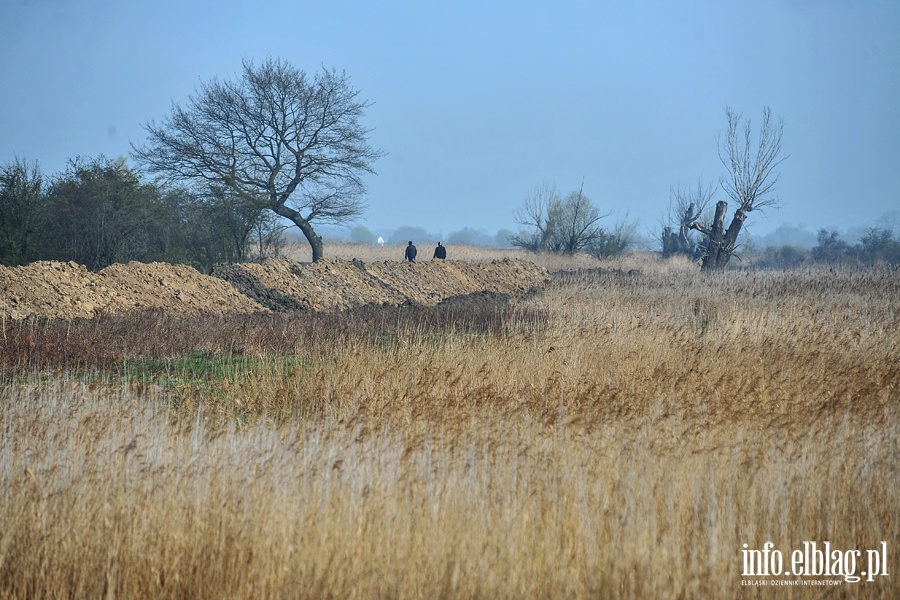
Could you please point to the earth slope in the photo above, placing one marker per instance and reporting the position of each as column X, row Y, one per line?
column 67, row 290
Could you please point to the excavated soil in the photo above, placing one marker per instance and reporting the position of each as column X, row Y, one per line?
column 67, row 291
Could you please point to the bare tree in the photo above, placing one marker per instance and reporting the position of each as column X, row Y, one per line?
column 557, row 224
column 576, row 219
column 277, row 138
column 750, row 183
column 536, row 214
column 686, row 207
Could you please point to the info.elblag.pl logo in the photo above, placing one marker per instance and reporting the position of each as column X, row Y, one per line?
column 828, row 565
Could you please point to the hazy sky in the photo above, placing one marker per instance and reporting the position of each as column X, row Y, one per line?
column 477, row 102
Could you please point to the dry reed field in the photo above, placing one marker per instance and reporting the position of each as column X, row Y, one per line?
column 613, row 436
column 300, row 251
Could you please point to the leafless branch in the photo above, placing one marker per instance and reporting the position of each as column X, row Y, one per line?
column 751, row 167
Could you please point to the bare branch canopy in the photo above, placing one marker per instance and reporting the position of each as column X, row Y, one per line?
column 277, row 138
column 567, row 224
column 750, row 181
column 751, row 176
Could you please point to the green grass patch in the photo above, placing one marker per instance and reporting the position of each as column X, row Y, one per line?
column 202, row 367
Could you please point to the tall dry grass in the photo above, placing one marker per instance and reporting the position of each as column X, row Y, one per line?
column 395, row 252
column 613, row 437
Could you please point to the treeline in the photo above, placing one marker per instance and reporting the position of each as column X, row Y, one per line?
column 877, row 246
column 100, row 211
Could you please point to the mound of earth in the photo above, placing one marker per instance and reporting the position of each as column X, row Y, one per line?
column 178, row 288
column 333, row 284
column 329, row 284
column 55, row 290
column 67, row 290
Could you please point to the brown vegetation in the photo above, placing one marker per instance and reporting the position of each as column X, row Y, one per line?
column 614, row 436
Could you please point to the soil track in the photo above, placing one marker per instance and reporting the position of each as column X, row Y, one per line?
column 67, row 291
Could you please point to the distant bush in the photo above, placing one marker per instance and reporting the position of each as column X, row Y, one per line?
column 782, row 257
column 362, row 235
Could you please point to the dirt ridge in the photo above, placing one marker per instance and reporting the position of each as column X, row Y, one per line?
column 65, row 291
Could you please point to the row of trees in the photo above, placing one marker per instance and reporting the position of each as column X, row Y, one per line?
column 100, row 211
column 878, row 245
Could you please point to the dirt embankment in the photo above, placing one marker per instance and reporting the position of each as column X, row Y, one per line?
column 339, row 284
column 68, row 290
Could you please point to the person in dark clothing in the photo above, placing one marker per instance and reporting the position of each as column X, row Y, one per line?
column 440, row 251
column 411, row 252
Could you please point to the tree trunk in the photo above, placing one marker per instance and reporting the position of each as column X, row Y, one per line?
column 315, row 240
column 721, row 242
column 669, row 242
column 713, row 259
column 731, row 236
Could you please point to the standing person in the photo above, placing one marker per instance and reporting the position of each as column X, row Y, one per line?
column 440, row 252
column 411, row 252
